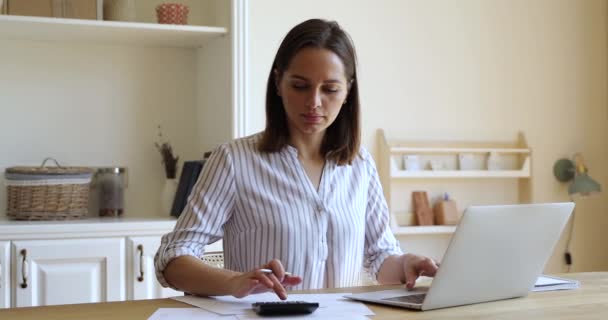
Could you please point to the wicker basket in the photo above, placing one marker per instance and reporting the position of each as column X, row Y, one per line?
column 48, row 193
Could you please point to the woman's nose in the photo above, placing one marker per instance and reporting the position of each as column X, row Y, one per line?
column 314, row 99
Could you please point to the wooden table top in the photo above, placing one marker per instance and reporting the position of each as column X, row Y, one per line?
column 588, row 302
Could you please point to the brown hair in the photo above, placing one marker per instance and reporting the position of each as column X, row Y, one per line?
column 343, row 137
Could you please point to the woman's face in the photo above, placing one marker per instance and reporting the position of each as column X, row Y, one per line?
column 313, row 89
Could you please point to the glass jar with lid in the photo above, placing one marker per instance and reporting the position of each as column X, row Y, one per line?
column 111, row 183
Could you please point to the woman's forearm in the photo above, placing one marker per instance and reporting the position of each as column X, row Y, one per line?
column 190, row 274
column 391, row 271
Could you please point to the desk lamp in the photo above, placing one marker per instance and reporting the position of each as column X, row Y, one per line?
column 566, row 170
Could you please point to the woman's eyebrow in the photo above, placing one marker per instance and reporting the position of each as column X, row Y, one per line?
column 298, row 77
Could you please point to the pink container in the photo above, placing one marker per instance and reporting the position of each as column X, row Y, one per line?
column 172, row 13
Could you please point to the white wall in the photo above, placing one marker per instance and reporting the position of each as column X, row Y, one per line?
column 100, row 105
column 89, row 105
column 473, row 70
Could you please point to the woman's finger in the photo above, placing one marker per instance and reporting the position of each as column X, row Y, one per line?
column 290, row 281
column 428, row 267
column 263, row 278
column 278, row 287
column 410, row 276
column 277, row 268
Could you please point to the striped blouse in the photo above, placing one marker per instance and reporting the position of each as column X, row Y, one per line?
column 264, row 206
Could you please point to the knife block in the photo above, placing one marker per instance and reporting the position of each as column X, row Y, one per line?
column 423, row 211
column 446, row 212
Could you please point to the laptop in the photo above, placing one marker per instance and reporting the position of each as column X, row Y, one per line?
column 497, row 252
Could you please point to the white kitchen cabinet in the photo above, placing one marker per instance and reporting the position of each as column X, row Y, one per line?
column 141, row 276
column 5, row 271
column 81, row 261
column 51, row 272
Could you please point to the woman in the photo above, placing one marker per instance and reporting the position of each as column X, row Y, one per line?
column 301, row 196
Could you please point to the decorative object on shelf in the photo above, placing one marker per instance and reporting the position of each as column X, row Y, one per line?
column 48, row 193
column 187, row 180
column 423, row 211
column 172, row 13
column 73, row 9
column 446, row 211
column 168, row 159
column 111, row 183
column 582, row 184
column 466, row 161
column 167, row 195
column 494, row 161
column 412, row 162
column 437, row 164
column 119, row 10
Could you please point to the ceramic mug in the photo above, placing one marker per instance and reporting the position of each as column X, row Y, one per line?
column 119, row 10
column 466, row 161
column 412, row 162
column 493, row 161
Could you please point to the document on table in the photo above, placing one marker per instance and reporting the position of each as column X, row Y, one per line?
column 330, row 304
column 187, row 314
column 197, row 314
column 550, row 283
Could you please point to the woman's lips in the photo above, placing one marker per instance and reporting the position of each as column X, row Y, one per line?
column 313, row 118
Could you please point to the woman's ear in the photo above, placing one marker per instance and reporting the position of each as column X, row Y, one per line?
column 277, row 81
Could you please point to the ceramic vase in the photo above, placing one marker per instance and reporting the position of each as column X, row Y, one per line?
column 167, row 194
column 119, row 10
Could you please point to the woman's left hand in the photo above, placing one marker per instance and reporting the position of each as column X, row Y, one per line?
column 415, row 266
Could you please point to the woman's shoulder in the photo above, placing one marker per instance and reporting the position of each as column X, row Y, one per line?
column 241, row 146
column 364, row 156
column 365, row 160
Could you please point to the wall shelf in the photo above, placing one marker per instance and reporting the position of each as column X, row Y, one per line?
column 109, row 32
column 422, row 230
column 424, row 174
column 404, row 150
column 439, row 169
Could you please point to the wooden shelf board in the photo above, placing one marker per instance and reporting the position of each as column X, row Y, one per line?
column 422, row 230
column 113, row 32
column 402, row 150
column 403, row 174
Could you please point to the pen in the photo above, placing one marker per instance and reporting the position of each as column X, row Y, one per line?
column 270, row 271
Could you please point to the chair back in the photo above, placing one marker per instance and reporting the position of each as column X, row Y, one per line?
column 214, row 259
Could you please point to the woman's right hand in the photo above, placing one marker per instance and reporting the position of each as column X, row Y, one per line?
column 257, row 281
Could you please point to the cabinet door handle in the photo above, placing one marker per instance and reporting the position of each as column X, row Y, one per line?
column 140, row 248
column 0, row 261
column 24, row 268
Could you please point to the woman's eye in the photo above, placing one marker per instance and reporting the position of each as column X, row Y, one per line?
column 299, row 86
column 332, row 89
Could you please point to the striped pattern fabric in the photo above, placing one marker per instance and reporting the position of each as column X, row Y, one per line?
column 264, row 206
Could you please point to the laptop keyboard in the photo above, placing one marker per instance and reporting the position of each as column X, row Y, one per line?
column 412, row 298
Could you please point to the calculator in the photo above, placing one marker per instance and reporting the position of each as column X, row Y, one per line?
column 284, row 308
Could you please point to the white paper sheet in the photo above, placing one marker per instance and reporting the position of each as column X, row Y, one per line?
column 228, row 305
column 547, row 283
column 186, row 314
column 320, row 313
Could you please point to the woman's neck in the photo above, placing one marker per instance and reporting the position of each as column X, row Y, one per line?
column 308, row 146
